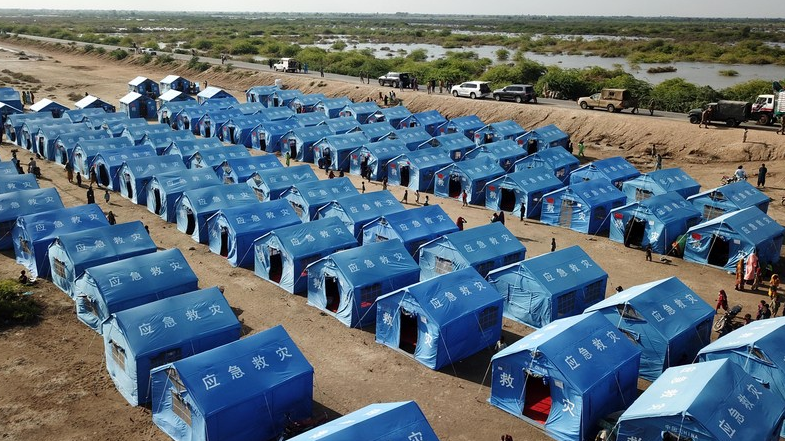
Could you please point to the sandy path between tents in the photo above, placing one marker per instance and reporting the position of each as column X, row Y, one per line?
column 54, row 384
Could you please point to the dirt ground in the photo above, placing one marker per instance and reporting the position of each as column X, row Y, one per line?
column 54, row 382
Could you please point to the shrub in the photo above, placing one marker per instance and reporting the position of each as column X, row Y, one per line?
column 197, row 65
column 16, row 307
column 118, row 54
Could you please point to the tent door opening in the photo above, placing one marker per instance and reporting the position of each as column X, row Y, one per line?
column 224, row 242
column 408, row 337
column 537, row 399
column 103, row 175
column 332, row 293
column 207, row 130
column 63, row 156
column 565, row 214
column 41, row 146
column 157, row 196
column 634, row 232
column 405, row 176
column 531, row 146
column 190, row 224
column 507, row 199
column 186, row 124
column 129, row 189
column 292, row 148
column 454, row 190
column 276, row 264
column 719, row 251
column 231, row 135
column 262, row 143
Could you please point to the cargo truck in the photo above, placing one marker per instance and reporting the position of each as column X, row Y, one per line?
column 732, row 113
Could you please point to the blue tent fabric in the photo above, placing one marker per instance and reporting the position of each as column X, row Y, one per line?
column 299, row 142
column 583, row 365
column 668, row 321
column 47, row 135
column 213, row 157
column 195, row 206
column 377, row 421
column 728, row 198
column 357, row 210
column 259, row 94
column 465, row 125
column 138, row 339
column 107, row 163
column 333, row 152
column 15, row 122
column 71, row 254
column 160, row 141
column 116, row 128
column 8, row 169
column 498, row 131
column 136, row 133
column 309, row 119
column 445, row 319
column 429, row 120
column 584, row 207
column 187, row 148
column 212, row 122
column 91, row 102
column 347, row 283
column 295, row 247
column 377, row 131
column 80, row 114
column 657, row 222
column 135, row 175
column 551, row 286
column 239, row 170
column 232, row 231
column 10, row 97
column 418, row 167
column 105, row 289
column 412, row 227
column 722, row 241
column 84, row 152
column 34, row 233
column 138, row 106
column 660, row 181
column 471, row 176
column 48, row 106
column 282, row 98
column 308, row 197
column 165, row 189
column 455, row 144
column 64, row 144
column 361, row 111
column 269, row 136
column 521, row 190
column 504, row 153
column 394, row 115
column 715, row 400
column 484, row 248
column 176, row 82
column 22, row 203
column 544, row 138
column 332, row 106
column 214, row 93
column 242, row 390
column 615, row 169
column 269, row 184
column 342, row 125
column 11, row 183
column 414, row 137
column 306, row 103
column 376, row 156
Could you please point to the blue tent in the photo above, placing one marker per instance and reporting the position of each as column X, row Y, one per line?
column 521, row 190
column 164, row 189
column 566, row 376
column 46, row 135
column 498, row 131
column 275, row 113
column 377, row 421
column 195, row 206
column 79, row 115
column 282, row 98
column 105, row 119
column 71, row 254
column 298, row 143
column 484, row 248
column 342, row 125
column 728, row 198
column 91, row 102
column 10, row 97
column 135, row 175
column 144, row 86
column 13, row 125
column 173, row 96
column 64, row 145
column 213, row 157
column 116, row 128
column 584, row 207
column 259, row 94
column 376, row 131
column 332, row 106
column 667, row 320
column 246, row 390
column 347, row 283
column 361, row 111
column 176, row 82
column 162, row 140
column 416, row 170
column 722, row 241
column 8, row 169
column 308, row 197
column 551, row 286
column 455, row 144
column 13, row 182
column 657, row 222
column 6, row 110
column 84, row 152
column 543, row 138
column 48, row 106
column 443, row 320
column 27, row 134
column 106, row 289
column 412, row 227
column 21, row 203
column 471, row 176
column 504, row 153
column 615, row 169
column 270, row 183
column 242, row 130
column 169, row 112
column 376, row 156
column 107, row 163
column 214, row 93
column 187, row 118
column 136, row 105
column 306, row 103
column 136, row 133
column 212, row 122
column 659, row 182
column 249, row 108
column 33, row 233
column 270, row 135
column 333, row 151
column 414, row 138
column 282, row 255
column 465, row 125
column 393, row 115
column 713, row 401
column 357, row 210
column 239, row 170
column 186, row 148
column 430, row 120
column 309, row 119
column 163, row 331
column 232, row 231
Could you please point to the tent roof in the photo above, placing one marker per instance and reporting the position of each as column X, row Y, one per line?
column 288, row 93
column 152, row 165
column 209, row 305
column 210, row 92
column 417, row 222
column 373, row 262
column 70, row 139
column 15, row 182
column 92, row 146
column 751, row 223
column 265, row 348
column 347, row 141
column 308, row 119
column 106, row 241
column 285, row 177
column 386, row 148
column 182, row 180
column 550, row 133
column 47, row 225
column 741, row 193
column 214, row 156
column 497, row 150
column 246, row 166
column 412, row 134
column 506, row 127
column 86, row 101
column 561, row 340
column 455, row 141
column 44, row 103
column 422, row 158
column 172, row 94
column 530, row 180
column 763, row 334
column 315, row 192
column 138, row 80
column 468, row 122
column 669, row 179
column 24, row 202
column 263, row 90
column 117, row 156
column 310, row 99
column 377, row 129
column 364, row 107
column 313, row 237
column 596, row 191
column 667, row 207
column 169, row 79
column 429, row 117
column 130, row 97
column 79, row 114
column 477, row 168
column 395, row 112
column 313, row 133
column 614, row 169
column 279, row 126
column 263, row 216
column 335, row 103
column 496, row 239
column 217, row 197
column 276, row 113
column 341, row 124
column 668, row 305
column 362, row 208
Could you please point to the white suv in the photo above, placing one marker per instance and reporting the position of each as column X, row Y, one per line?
column 472, row 89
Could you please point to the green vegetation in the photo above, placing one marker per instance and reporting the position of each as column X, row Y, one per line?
column 728, row 73
column 15, row 306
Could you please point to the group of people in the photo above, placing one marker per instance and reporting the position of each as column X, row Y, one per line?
column 28, row 97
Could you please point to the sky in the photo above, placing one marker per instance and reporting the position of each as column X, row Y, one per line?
column 645, row 8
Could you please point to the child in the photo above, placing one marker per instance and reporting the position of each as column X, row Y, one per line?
column 722, row 302
column 648, row 258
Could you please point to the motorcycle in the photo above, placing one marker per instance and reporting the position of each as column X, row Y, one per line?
column 729, row 179
column 728, row 322
column 296, row 427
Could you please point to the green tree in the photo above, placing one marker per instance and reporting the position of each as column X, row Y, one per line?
column 502, row 54
column 747, row 91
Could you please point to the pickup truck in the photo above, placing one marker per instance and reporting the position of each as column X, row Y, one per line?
column 395, row 79
column 732, row 113
column 286, row 65
column 612, row 100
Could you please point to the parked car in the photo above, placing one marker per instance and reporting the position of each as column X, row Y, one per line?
column 472, row 89
column 147, row 50
column 613, row 100
column 286, row 65
column 395, row 79
column 520, row 93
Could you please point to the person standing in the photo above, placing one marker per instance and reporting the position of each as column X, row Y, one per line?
column 648, row 253
column 425, row 204
column 581, row 148
column 93, row 177
column 405, row 199
column 464, row 196
column 321, row 71
column 705, row 118
column 744, row 137
column 740, row 274
column 781, row 131
column 553, row 244
column 384, row 182
column 69, row 172
column 523, row 209
column 79, row 179
column 460, row 222
column 722, row 302
column 90, row 195
column 288, row 157
column 363, row 186
column 762, row 171
column 107, row 196
column 416, row 196
column 658, row 162
column 112, row 221
column 500, row 217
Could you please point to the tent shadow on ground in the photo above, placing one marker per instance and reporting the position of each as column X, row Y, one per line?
column 244, row 329
column 476, row 368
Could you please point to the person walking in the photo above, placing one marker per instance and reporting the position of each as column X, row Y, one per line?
column 648, row 253
column 363, row 186
column 107, row 196
column 405, row 199
column 464, row 196
column 740, row 274
column 762, row 171
column 744, row 137
column 781, row 131
column 288, row 158
column 93, row 176
column 553, row 244
column 722, row 302
column 69, row 172
column 658, row 162
column 425, row 204
column 416, row 196
column 112, row 221
column 581, row 148
column 90, row 195
column 79, row 179
column 705, row 118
